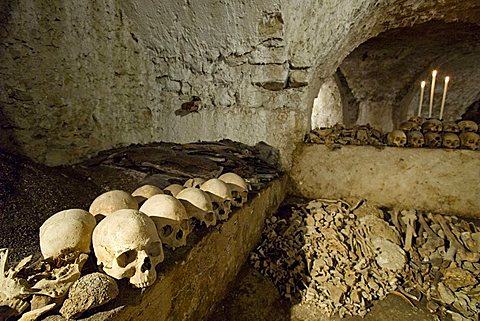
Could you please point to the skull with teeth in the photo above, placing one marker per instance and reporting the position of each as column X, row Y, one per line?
column 470, row 140
column 194, row 182
column 238, row 187
column 198, row 205
column 397, row 138
column 112, row 201
column 220, row 195
column 170, row 218
column 432, row 125
column 144, row 192
column 66, row 232
column 433, row 139
column 450, row 127
column 173, row 189
column 468, row 126
column 450, row 140
column 415, row 139
column 127, row 245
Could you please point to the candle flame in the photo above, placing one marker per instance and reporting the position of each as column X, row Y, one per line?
column 434, row 73
column 447, row 79
column 422, row 84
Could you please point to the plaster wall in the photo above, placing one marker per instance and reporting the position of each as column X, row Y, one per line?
column 437, row 180
column 80, row 77
column 327, row 107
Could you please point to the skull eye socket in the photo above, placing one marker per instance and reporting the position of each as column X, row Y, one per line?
column 126, row 258
column 179, row 235
column 154, row 249
column 166, row 230
column 215, row 205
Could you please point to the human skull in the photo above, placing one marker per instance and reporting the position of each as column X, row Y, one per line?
column 470, row 140
column 397, row 138
column 221, row 197
column 409, row 126
column 127, row 245
column 433, row 139
column 198, row 205
column 170, row 218
column 66, row 232
column 416, row 119
column 144, row 192
column 451, row 140
column 173, row 189
column 450, row 127
column 432, row 125
column 415, row 139
column 238, row 187
column 194, row 182
column 467, row 126
column 113, row 201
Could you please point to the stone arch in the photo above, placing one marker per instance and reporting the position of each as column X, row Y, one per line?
column 343, row 26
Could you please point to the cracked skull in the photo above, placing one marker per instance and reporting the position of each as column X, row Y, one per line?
column 238, row 187
column 221, row 197
column 194, row 182
column 433, row 139
column 170, row 218
column 127, row 245
column 397, row 138
column 65, row 232
column 198, row 205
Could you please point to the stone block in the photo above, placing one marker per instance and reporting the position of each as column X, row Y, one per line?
column 271, row 77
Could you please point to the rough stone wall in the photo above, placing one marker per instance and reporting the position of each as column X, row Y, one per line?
column 79, row 77
column 328, row 106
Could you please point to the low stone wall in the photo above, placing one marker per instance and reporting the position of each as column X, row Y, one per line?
column 197, row 277
column 436, row 180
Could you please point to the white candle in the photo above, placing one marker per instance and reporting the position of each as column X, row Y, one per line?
column 445, row 86
column 432, row 90
column 422, row 89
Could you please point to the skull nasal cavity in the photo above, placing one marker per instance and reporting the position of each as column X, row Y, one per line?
column 147, row 265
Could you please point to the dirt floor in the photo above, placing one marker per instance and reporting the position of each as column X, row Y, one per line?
column 253, row 297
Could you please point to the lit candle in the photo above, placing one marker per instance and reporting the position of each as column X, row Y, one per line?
column 432, row 90
column 422, row 89
column 447, row 79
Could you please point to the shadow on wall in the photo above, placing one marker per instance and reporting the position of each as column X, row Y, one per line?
column 473, row 112
column 335, row 103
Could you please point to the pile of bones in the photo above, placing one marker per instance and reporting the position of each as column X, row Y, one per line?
column 416, row 132
column 127, row 231
column 433, row 133
column 339, row 258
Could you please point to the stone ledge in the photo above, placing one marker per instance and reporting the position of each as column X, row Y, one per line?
column 189, row 287
column 437, row 180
